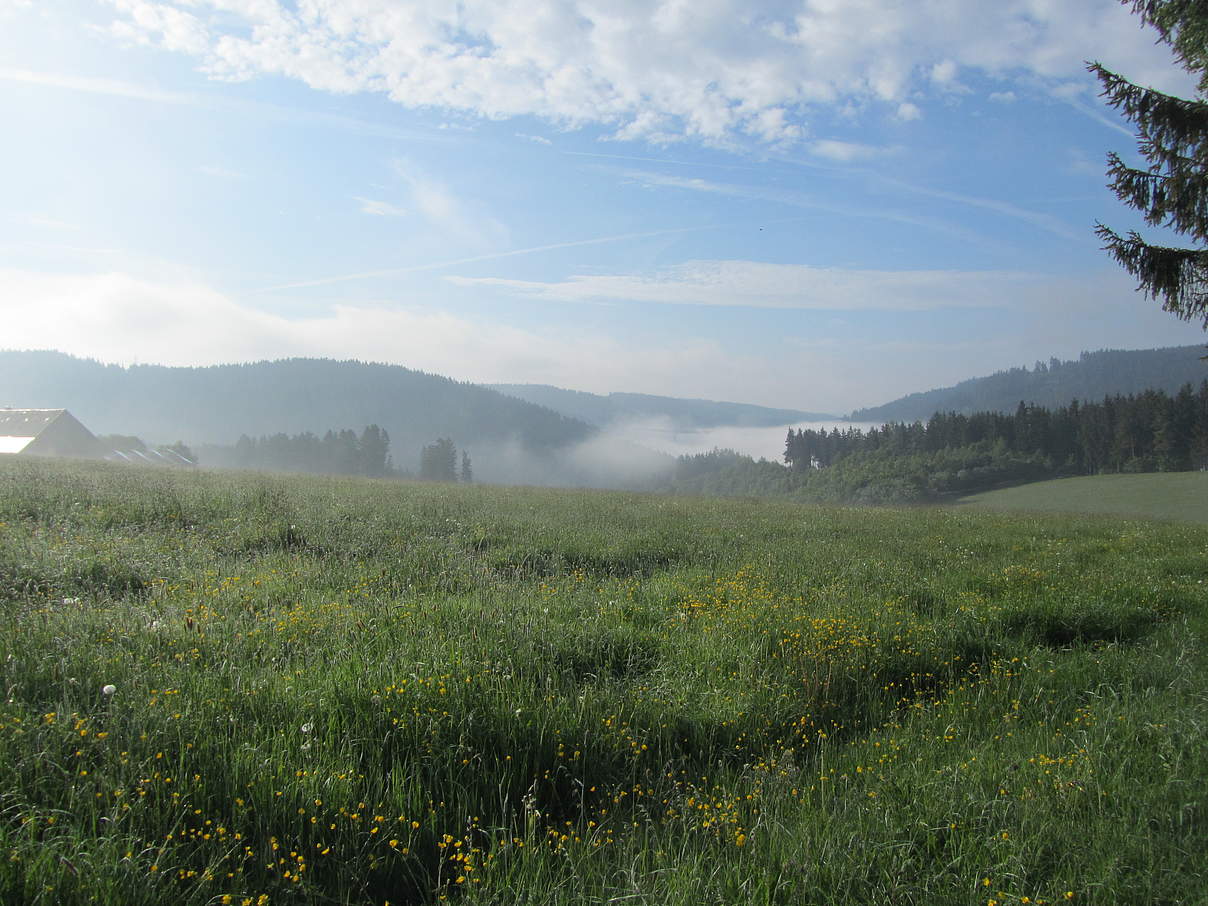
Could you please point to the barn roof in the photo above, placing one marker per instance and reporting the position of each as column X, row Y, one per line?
column 19, row 427
column 26, row 422
column 45, row 432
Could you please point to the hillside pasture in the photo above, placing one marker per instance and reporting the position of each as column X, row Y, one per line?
column 1160, row 495
column 251, row 689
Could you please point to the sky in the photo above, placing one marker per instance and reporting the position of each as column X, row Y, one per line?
column 810, row 204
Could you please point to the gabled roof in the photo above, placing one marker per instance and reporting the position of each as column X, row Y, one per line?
column 27, row 423
column 20, row 427
column 45, row 432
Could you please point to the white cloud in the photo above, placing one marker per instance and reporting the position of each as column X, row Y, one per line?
column 377, row 208
column 714, row 70
column 943, row 72
column 161, row 23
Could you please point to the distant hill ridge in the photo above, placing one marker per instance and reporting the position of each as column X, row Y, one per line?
column 602, row 411
column 1092, row 376
column 218, row 403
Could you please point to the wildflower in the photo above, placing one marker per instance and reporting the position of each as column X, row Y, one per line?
column 108, row 689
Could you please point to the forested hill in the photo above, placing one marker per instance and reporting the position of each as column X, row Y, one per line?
column 1092, row 377
column 217, row 404
column 683, row 413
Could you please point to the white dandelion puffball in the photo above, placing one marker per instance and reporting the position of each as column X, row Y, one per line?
column 108, row 689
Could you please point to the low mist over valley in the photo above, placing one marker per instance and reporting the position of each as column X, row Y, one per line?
column 299, row 414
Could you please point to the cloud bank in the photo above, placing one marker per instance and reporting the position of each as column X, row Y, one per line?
column 660, row 70
column 116, row 317
column 119, row 318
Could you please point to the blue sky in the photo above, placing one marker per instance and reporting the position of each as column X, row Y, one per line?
column 819, row 204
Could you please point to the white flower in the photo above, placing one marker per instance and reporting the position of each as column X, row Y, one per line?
column 108, row 689
column 307, row 728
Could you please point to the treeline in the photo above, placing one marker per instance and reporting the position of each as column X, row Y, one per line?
column 438, row 462
column 1092, row 376
column 952, row 454
column 335, row 453
column 1146, row 432
column 726, row 473
column 285, row 398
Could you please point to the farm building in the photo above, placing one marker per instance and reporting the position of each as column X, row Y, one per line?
column 45, row 432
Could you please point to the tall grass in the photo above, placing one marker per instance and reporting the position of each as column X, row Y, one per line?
column 341, row 691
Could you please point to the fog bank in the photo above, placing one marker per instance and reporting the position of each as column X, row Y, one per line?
column 761, row 443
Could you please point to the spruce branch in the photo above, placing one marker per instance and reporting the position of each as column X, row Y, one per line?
column 1176, row 277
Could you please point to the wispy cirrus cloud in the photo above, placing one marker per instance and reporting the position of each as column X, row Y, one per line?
column 1037, row 219
column 802, row 201
column 222, row 173
column 51, row 223
column 846, row 152
column 449, row 212
column 478, row 259
column 99, row 85
column 118, row 88
column 377, row 208
column 756, row 284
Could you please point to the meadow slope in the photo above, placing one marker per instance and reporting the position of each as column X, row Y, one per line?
column 225, row 688
column 1157, row 495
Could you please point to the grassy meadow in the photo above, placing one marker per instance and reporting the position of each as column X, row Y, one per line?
column 225, row 688
column 1153, row 495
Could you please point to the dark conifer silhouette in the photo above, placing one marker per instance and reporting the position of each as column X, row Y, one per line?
column 1172, row 192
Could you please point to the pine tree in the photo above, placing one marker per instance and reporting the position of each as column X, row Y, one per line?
column 438, row 461
column 375, row 451
column 1172, row 134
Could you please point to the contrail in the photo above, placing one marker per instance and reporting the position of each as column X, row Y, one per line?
column 494, row 256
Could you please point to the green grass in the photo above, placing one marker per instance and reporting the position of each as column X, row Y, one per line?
column 1166, row 495
column 341, row 691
